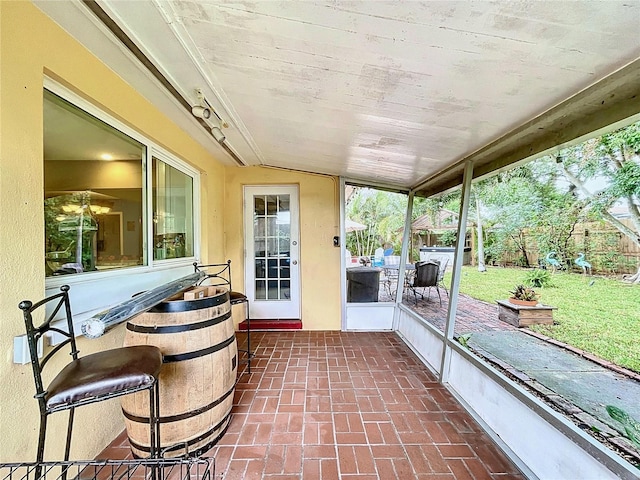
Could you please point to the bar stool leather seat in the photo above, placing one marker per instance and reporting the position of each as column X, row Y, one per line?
column 104, row 373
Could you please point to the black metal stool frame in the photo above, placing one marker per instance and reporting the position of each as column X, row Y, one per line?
column 219, row 274
column 34, row 334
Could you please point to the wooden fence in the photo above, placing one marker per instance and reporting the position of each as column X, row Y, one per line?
column 607, row 250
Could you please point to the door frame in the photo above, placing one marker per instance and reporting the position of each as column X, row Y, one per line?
column 263, row 308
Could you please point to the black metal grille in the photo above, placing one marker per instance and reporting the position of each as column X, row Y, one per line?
column 156, row 469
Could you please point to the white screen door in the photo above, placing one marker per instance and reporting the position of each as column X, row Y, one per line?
column 272, row 248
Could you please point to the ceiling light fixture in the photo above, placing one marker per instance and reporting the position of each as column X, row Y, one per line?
column 205, row 108
column 201, row 112
column 217, row 134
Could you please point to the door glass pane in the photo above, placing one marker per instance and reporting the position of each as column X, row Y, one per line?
column 284, row 268
column 260, row 227
column 261, row 292
column 271, row 226
column 272, row 246
column 260, row 271
column 258, row 205
column 272, row 250
column 273, row 268
column 272, row 204
column 273, row 291
column 285, row 289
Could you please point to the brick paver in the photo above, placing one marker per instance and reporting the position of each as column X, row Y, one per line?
column 340, row 405
column 472, row 315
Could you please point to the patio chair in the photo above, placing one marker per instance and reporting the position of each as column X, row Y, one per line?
column 91, row 378
column 442, row 268
column 219, row 274
column 426, row 276
column 391, row 273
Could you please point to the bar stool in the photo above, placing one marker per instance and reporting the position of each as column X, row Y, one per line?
column 219, row 274
column 91, row 378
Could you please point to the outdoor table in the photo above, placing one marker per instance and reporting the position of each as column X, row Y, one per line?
column 391, row 271
column 363, row 284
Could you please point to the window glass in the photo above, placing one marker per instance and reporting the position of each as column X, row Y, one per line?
column 93, row 193
column 172, row 212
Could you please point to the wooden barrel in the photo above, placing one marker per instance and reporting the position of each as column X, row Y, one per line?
column 198, row 375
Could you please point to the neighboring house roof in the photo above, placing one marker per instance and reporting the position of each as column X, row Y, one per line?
column 620, row 211
column 443, row 220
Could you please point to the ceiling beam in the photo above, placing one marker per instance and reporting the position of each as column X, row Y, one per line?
column 612, row 100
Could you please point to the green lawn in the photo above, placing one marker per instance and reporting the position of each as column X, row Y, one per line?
column 602, row 318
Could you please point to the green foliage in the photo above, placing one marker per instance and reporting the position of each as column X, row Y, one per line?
column 448, row 238
column 631, row 426
column 527, row 200
column 602, row 318
column 464, row 339
column 605, row 247
column 538, row 278
column 626, row 181
column 382, row 212
column 614, row 159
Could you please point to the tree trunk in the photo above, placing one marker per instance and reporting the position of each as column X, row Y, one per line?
column 635, row 278
column 481, row 267
column 634, row 236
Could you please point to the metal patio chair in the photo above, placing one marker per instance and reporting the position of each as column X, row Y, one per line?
column 426, row 276
column 90, row 378
column 219, row 274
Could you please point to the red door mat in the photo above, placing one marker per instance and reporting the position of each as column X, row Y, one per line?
column 272, row 324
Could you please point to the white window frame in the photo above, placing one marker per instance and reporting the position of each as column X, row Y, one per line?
column 93, row 292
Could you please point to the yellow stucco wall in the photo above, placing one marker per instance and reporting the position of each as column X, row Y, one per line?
column 319, row 223
column 32, row 46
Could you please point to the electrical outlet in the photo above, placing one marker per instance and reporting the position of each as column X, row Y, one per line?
column 21, row 350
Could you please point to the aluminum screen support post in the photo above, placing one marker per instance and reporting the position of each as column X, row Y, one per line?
column 458, row 259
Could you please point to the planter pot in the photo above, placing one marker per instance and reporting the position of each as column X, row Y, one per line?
column 524, row 303
column 524, row 315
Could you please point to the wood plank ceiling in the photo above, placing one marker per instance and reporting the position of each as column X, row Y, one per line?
column 386, row 92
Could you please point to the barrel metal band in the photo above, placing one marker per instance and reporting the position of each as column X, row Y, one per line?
column 175, row 306
column 178, row 328
column 199, row 353
column 187, row 443
column 182, row 416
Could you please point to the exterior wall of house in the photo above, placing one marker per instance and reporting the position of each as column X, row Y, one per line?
column 319, row 223
column 32, row 47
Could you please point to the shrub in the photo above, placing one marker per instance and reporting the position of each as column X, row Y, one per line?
column 538, row 278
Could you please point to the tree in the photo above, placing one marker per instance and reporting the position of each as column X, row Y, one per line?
column 615, row 159
column 513, row 205
column 382, row 212
column 481, row 267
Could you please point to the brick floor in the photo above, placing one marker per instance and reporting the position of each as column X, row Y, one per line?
column 328, row 405
column 472, row 315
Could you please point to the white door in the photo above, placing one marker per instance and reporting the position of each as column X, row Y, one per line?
column 272, row 269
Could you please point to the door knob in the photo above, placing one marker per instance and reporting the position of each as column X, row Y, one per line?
column 295, row 262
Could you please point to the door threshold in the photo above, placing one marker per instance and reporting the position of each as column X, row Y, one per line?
column 272, row 324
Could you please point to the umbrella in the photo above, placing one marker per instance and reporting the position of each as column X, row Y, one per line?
column 351, row 226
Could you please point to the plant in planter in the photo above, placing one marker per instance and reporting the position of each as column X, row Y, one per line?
column 522, row 295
